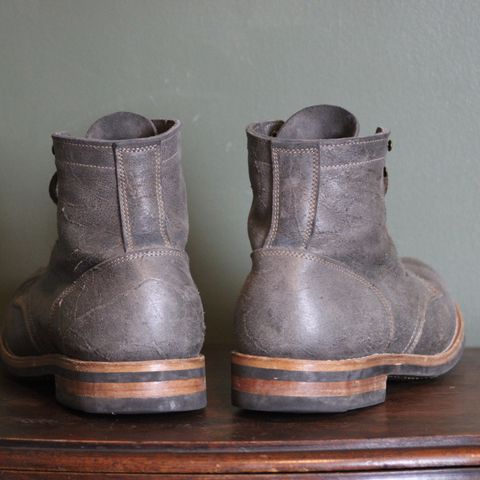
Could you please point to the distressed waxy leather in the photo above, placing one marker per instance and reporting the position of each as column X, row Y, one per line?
column 118, row 285
column 326, row 281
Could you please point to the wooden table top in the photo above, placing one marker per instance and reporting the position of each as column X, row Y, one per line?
column 432, row 424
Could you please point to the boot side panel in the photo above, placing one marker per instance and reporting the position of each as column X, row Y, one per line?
column 27, row 329
column 16, row 333
column 296, row 305
column 88, row 221
column 141, row 306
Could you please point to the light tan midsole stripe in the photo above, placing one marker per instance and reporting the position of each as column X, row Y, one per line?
column 290, row 364
column 169, row 388
column 284, row 388
column 99, row 367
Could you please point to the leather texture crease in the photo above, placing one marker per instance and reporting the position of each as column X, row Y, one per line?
column 326, row 280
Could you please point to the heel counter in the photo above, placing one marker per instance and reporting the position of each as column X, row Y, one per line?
column 140, row 306
column 298, row 305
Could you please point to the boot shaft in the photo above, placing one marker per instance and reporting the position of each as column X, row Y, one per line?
column 120, row 196
column 326, row 196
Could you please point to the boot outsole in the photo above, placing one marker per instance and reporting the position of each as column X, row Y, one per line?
column 155, row 386
column 320, row 386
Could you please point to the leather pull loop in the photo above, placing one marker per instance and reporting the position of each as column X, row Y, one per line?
column 53, row 188
column 293, row 165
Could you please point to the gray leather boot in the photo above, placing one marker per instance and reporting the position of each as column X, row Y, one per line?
column 115, row 316
column 329, row 311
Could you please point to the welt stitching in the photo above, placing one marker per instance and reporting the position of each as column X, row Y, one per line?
column 350, row 164
column 84, row 145
column 147, row 148
column 362, row 142
column 295, row 150
column 100, row 147
column 137, row 255
column 275, row 200
column 75, row 164
column 159, row 195
column 124, row 200
column 313, row 197
column 381, row 297
column 332, row 146
column 132, row 256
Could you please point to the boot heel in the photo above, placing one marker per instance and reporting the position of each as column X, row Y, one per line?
column 132, row 387
column 291, row 385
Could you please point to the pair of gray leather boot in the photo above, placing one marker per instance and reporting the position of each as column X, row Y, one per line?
column 326, row 315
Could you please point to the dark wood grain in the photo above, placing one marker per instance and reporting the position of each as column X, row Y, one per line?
column 428, row 426
column 451, row 474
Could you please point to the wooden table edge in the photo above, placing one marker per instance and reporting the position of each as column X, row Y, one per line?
column 151, row 462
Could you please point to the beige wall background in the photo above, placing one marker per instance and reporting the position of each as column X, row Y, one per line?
column 412, row 66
